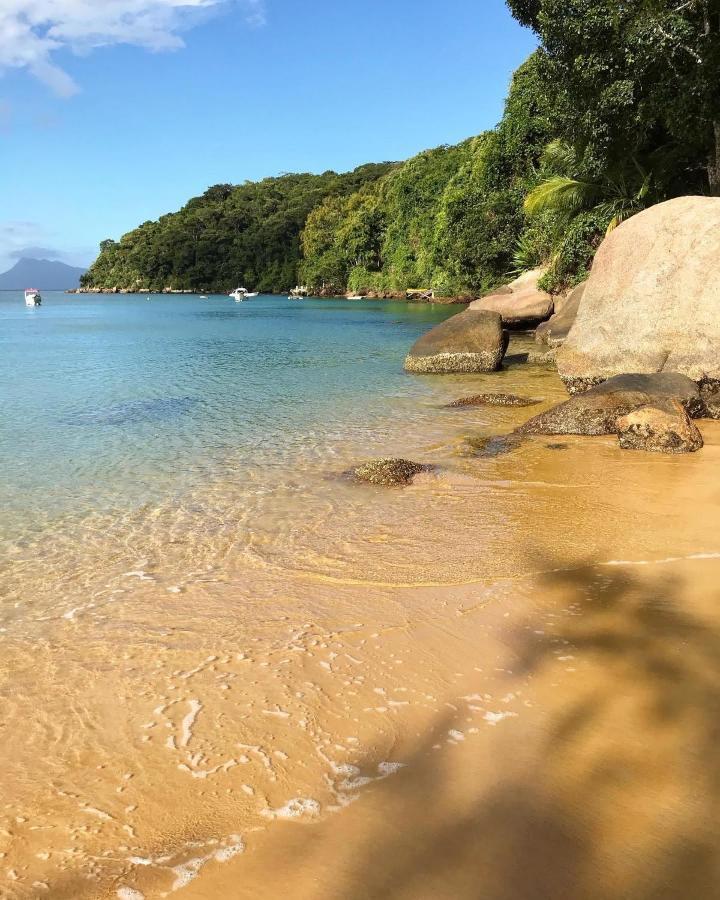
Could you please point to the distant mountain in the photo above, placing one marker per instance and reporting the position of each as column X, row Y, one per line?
column 43, row 274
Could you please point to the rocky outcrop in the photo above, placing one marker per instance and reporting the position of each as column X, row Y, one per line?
column 521, row 302
column 652, row 302
column 554, row 332
column 388, row 472
column 472, row 341
column 660, row 428
column 597, row 410
column 492, row 400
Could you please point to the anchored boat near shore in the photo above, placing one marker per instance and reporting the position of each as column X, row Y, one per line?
column 240, row 294
column 32, row 297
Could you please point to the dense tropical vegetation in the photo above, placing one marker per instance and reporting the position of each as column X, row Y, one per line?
column 231, row 235
column 616, row 110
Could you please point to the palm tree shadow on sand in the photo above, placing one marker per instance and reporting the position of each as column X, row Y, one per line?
column 613, row 793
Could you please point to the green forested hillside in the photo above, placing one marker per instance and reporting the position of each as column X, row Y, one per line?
column 231, row 235
column 617, row 109
column 448, row 218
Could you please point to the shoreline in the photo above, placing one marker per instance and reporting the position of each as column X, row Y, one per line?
column 398, row 296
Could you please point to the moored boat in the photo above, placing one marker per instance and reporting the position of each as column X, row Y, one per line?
column 241, row 293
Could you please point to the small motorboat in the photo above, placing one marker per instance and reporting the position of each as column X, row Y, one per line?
column 240, row 294
column 356, row 297
column 32, row 297
column 203, row 297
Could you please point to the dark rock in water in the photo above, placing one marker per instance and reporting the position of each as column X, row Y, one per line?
column 661, row 428
column 472, row 341
column 492, row 400
column 553, row 332
column 710, row 394
column 597, row 410
column 389, row 471
column 495, row 445
column 134, row 412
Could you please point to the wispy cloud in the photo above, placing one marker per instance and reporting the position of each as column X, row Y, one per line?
column 37, row 253
column 33, row 31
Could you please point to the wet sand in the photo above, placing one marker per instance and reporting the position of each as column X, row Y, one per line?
column 501, row 682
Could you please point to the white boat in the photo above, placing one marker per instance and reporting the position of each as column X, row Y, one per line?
column 240, row 294
column 356, row 297
column 32, row 297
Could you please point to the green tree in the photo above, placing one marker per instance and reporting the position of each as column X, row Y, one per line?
column 629, row 77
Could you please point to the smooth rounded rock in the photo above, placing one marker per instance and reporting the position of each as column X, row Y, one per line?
column 652, row 302
column 521, row 302
column 472, row 341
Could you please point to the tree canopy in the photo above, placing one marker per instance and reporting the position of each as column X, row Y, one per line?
column 247, row 234
column 630, row 77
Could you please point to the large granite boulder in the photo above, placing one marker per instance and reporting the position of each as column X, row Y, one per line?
column 597, row 410
column 472, row 341
column 652, row 302
column 521, row 302
column 554, row 332
column 661, row 428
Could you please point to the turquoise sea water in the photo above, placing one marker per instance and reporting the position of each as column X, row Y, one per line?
column 111, row 402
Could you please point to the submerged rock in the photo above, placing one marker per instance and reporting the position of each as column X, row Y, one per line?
column 492, row 400
column 597, row 410
column 661, row 428
column 389, row 471
column 521, row 302
column 472, row 341
column 494, row 445
column 652, row 302
column 554, row 332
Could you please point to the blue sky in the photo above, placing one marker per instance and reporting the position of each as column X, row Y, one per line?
column 96, row 139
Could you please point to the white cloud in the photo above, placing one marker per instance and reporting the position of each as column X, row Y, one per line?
column 31, row 31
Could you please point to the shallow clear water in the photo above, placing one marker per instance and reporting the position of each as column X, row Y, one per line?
column 204, row 629
column 108, row 402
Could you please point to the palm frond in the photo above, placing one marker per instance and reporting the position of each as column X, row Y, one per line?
column 559, row 158
column 560, row 194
